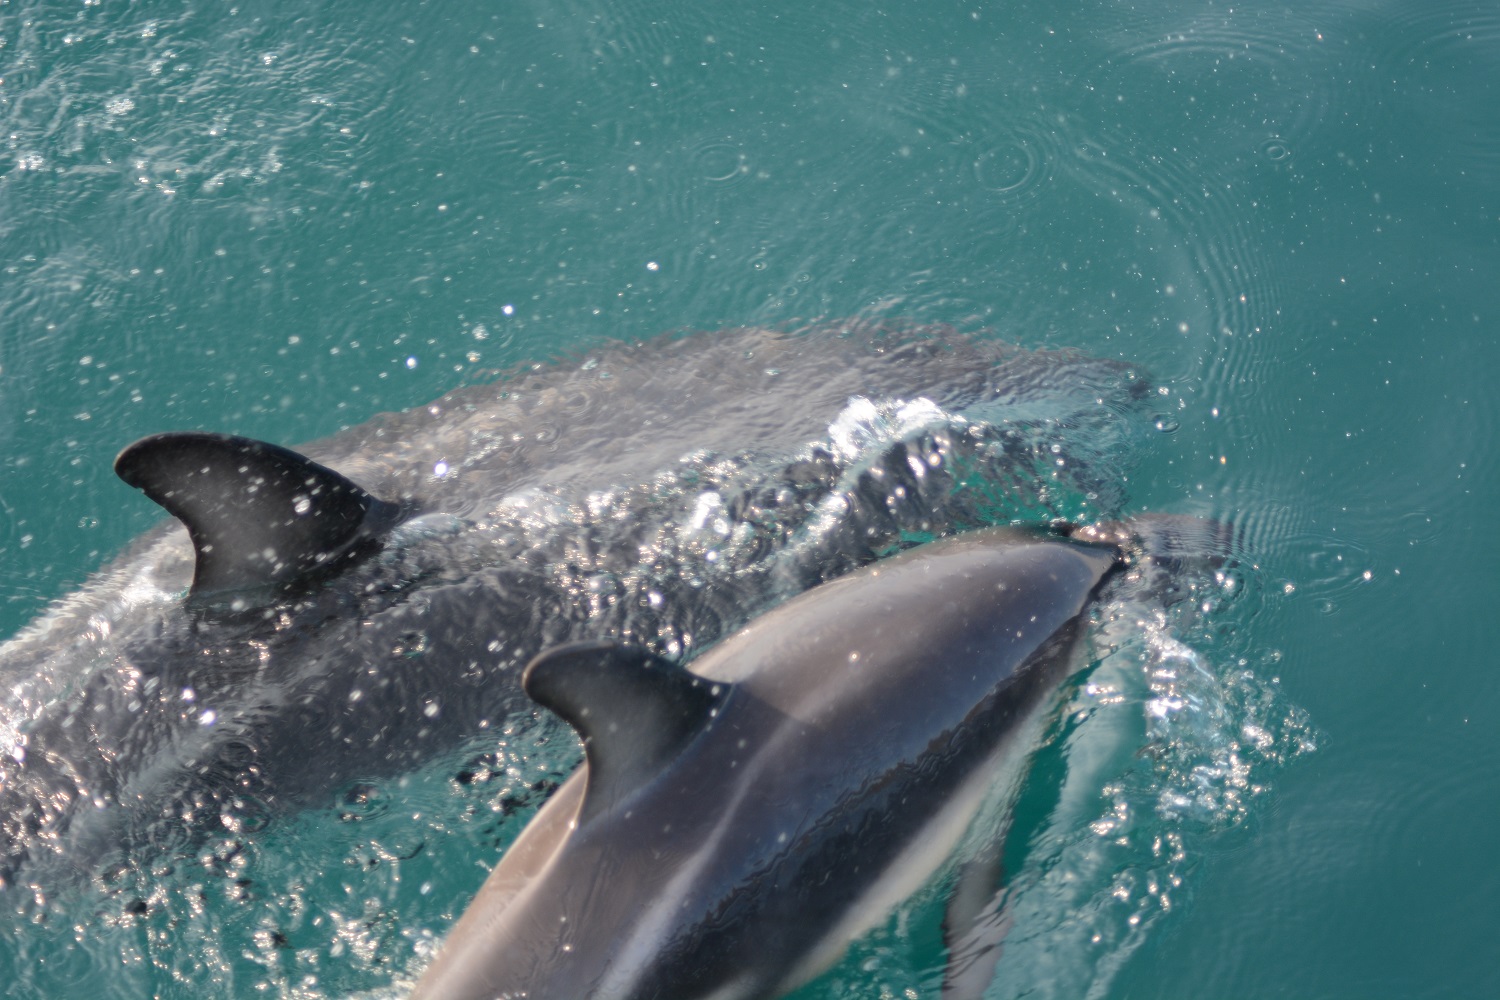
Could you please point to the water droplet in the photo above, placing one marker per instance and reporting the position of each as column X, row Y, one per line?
column 410, row 644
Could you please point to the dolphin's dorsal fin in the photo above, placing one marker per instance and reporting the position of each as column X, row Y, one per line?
column 260, row 516
column 634, row 710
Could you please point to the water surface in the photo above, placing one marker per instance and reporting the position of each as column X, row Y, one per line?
column 279, row 221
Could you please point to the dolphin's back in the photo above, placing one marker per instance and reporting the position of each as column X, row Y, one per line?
column 369, row 603
column 853, row 740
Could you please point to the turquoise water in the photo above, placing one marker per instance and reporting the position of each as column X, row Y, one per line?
column 280, row 219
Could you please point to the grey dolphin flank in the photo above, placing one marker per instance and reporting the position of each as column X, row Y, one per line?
column 737, row 825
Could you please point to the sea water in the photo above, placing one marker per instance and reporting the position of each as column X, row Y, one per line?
column 279, row 219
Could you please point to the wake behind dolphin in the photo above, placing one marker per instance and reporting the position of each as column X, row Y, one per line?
column 659, row 493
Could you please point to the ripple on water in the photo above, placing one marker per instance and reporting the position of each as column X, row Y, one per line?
column 999, row 151
column 1223, row 86
column 1449, row 46
column 1012, row 158
column 1418, row 527
column 131, row 130
column 514, row 144
column 1431, row 31
column 720, row 161
column 1226, row 113
column 1334, row 567
column 700, row 177
column 653, row 35
column 1206, row 255
column 1276, row 149
column 1268, row 527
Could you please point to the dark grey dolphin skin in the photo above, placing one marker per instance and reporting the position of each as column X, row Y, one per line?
column 736, row 825
column 356, row 610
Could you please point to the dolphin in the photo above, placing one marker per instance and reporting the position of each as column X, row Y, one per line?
column 367, row 602
column 737, row 823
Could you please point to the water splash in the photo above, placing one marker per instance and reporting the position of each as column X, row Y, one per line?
column 1161, row 750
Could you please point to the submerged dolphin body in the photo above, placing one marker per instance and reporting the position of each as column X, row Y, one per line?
column 367, row 606
column 737, row 825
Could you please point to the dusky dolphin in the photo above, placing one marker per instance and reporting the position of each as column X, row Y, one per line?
column 736, row 824
column 367, row 604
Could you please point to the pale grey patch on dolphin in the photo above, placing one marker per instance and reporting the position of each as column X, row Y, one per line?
column 860, row 728
column 975, row 924
column 545, row 507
